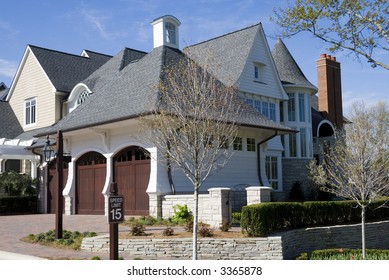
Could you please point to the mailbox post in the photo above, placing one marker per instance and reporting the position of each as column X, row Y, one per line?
column 115, row 216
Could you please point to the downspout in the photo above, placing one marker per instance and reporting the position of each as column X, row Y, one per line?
column 259, row 155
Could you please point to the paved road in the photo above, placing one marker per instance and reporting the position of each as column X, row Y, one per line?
column 13, row 228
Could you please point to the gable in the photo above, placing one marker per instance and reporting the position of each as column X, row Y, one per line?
column 267, row 82
column 32, row 82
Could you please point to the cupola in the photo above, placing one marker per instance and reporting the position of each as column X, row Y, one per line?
column 165, row 30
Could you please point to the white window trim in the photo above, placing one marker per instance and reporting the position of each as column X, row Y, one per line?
column 31, row 124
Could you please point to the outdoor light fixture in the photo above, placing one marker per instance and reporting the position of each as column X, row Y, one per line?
column 48, row 151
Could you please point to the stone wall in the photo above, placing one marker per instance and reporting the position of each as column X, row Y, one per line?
column 349, row 236
column 285, row 246
column 269, row 248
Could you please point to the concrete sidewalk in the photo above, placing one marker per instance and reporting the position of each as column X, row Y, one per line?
column 13, row 228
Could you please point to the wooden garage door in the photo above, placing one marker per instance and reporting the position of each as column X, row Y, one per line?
column 91, row 172
column 53, row 186
column 132, row 173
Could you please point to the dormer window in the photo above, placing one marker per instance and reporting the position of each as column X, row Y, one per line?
column 170, row 30
column 79, row 94
column 258, row 72
column 82, row 97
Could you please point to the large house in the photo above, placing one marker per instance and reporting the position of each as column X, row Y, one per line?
column 96, row 100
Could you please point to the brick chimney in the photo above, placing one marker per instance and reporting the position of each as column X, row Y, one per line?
column 330, row 89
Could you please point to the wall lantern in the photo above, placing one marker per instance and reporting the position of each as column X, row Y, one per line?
column 48, row 151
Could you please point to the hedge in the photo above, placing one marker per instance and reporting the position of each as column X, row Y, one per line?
column 18, row 204
column 262, row 219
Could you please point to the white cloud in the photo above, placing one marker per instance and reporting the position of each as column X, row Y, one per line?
column 7, row 68
column 98, row 21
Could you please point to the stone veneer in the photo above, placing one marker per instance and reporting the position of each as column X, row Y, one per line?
column 284, row 246
column 268, row 248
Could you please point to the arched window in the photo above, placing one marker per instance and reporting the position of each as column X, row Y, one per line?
column 170, row 33
column 82, row 97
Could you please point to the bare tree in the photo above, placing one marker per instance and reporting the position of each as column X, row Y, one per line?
column 358, row 26
column 194, row 125
column 357, row 165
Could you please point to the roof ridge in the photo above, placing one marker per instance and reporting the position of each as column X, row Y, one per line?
column 59, row 52
column 225, row 35
column 99, row 53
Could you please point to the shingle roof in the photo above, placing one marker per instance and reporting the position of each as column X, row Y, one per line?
column 288, row 70
column 66, row 70
column 112, row 68
column 127, row 93
column 229, row 53
column 123, row 94
column 9, row 124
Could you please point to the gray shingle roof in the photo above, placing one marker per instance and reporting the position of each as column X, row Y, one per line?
column 229, row 53
column 288, row 70
column 9, row 124
column 112, row 68
column 66, row 70
column 123, row 95
column 127, row 93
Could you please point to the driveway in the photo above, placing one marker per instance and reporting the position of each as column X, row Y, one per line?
column 13, row 228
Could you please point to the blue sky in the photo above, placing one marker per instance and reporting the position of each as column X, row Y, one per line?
column 108, row 26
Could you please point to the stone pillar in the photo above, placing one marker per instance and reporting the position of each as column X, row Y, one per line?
column 258, row 194
column 155, row 205
column 220, row 204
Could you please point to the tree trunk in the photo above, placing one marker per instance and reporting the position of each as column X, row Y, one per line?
column 363, row 212
column 195, row 222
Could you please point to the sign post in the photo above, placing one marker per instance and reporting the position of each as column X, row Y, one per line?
column 115, row 216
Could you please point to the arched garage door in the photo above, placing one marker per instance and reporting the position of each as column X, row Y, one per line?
column 53, row 186
column 132, row 173
column 91, row 172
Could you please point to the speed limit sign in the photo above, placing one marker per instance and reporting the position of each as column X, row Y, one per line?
column 115, row 209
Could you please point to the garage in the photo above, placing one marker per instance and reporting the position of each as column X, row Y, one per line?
column 132, row 173
column 91, row 173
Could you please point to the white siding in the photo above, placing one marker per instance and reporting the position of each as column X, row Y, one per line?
column 33, row 82
column 269, row 84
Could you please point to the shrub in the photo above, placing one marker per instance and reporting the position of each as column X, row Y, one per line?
column 204, row 230
column 15, row 184
column 138, row 229
column 168, row 231
column 189, row 225
column 18, row 204
column 236, row 216
column 261, row 219
column 225, row 226
column 344, row 254
column 181, row 214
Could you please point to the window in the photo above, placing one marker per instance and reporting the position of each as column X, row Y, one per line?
column 265, row 109
column 301, row 107
column 238, row 144
column 272, row 111
column 309, row 110
column 250, row 144
column 281, row 111
column 292, row 145
column 170, row 33
column 249, row 101
column 303, row 141
column 271, row 166
column 256, row 72
column 257, row 105
column 82, row 97
column 30, row 111
column 291, row 108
